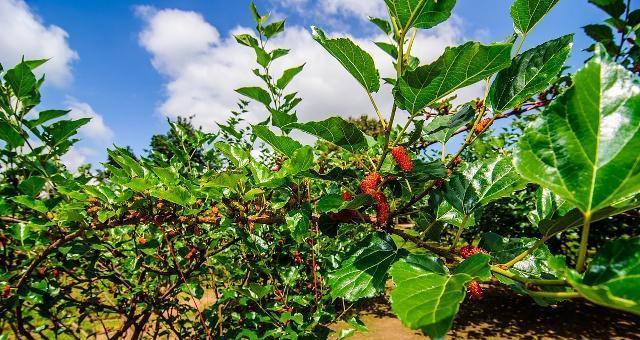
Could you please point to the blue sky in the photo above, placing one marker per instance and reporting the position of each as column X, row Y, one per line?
column 132, row 84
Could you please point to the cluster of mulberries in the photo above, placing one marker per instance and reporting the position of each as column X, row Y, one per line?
column 468, row 251
column 475, row 290
column 401, row 157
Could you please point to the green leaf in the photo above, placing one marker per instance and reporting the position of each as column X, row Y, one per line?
column 330, row 203
column 364, row 272
column 562, row 221
column 236, row 155
column 481, row 183
column 166, row 175
column 45, row 116
column 382, row 24
column 301, row 160
column 426, row 300
column 9, row 135
column 287, row 76
column 527, row 14
column 21, row 80
column 477, row 266
column 284, row 144
column 60, row 131
column 502, row 249
column 442, row 128
column 584, row 146
column 613, row 277
column 529, row 74
column 274, row 28
column 548, row 207
column 337, row 131
column 31, row 203
column 298, row 223
column 353, row 58
column 458, row 67
column 599, row 33
column 246, row 40
column 420, row 13
column 32, row 185
column 177, row 195
column 256, row 93
column 615, row 8
column 439, row 210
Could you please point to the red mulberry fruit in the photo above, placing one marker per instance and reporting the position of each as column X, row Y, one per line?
column 370, row 183
column 474, row 290
column 468, row 251
column 347, row 196
column 401, row 157
column 482, row 126
column 382, row 208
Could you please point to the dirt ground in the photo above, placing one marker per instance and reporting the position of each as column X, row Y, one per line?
column 513, row 317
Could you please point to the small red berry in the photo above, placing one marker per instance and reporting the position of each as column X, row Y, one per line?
column 142, row 241
column 468, row 251
column 401, row 157
column 6, row 292
column 56, row 272
column 457, row 161
column 347, row 196
column 475, row 290
column 370, row 183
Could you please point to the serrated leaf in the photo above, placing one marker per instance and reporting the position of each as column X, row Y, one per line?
column 274, row 29
column 337, row 131
column 584, row 146
column 298, row 223
column 481, row 183
column 530, row 73
column 256, row 93
column 9, row 135
column 353, row 58
column 382, row 24
column 60, row 131
column 599, row 33
column 476, row 266
column 364, row 272
column 527, row 14
column 284, row 144
column 420, row 13
column 458, row 67
column 45, row 116
column 613, row 277
column 32, row 185
column 177, row 195
column 426, row 300
column 21, row 80
column 287, row 76
column 442, row 128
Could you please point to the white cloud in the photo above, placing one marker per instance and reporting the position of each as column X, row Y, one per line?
column 96, row 130
column 24, row 34
column 77, row 157
column 201, row 82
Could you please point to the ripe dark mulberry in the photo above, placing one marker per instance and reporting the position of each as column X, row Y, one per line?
column 369, row 184
column 401, row 157
column 468, row 251
column 475, row 290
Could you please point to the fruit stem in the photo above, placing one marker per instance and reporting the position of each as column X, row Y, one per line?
column 525, row 253
column 459, row 233
column 584, row 243
column 555, row 295
column 524, row 280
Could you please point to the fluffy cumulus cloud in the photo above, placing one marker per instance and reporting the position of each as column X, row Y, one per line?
column 203, row 67
column 25, row 34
